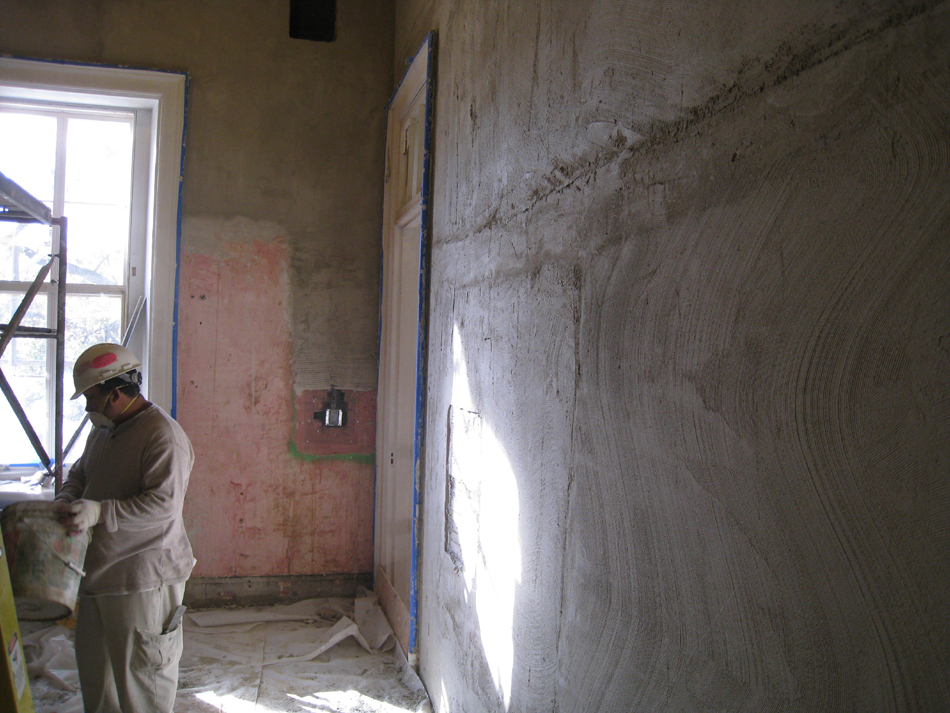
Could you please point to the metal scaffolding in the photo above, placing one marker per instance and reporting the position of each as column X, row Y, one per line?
column 18, row 206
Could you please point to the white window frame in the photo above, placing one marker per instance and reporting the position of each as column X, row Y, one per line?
column 158, row 97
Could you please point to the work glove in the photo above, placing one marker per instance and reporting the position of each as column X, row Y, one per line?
column 79, row 516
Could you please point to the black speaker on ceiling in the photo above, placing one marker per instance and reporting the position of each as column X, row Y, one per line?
column 313, row 20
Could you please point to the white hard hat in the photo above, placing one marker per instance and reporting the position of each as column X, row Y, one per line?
column 100, row 363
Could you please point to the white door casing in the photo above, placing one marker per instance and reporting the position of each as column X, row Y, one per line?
column 403, row 338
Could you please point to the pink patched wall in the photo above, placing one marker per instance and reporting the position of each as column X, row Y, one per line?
column 258, row 504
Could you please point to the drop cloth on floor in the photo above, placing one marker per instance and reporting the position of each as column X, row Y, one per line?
column 315, row 655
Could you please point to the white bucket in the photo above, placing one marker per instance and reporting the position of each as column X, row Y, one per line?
column 45, row 563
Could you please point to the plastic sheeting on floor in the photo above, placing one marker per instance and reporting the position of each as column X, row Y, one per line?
column 314, row 655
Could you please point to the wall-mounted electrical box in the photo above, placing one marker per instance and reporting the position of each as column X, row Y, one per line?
column 333, row 414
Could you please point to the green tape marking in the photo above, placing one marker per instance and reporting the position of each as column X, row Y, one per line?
column 368, row 458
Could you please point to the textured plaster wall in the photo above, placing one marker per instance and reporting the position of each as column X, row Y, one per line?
column 688, row 428
column 279, row 264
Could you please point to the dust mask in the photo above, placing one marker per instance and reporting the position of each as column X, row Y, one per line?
column 100, row 420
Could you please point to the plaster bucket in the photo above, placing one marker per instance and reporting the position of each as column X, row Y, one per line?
column 45, row 563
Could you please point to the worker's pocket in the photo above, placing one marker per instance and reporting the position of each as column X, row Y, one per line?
column 154, row 652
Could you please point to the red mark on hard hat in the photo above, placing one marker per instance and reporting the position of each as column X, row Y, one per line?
column 103, row 360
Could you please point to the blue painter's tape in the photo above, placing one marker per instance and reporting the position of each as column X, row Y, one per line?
column 181, row 183
column 425, row 264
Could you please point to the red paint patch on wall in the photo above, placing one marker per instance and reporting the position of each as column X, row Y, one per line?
column 253, row 509
column 311, row 437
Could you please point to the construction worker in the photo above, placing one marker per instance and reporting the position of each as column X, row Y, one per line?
column 128, row 488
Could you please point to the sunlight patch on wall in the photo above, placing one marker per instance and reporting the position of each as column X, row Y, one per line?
column 481, row 523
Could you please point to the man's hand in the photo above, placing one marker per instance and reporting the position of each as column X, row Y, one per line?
column 79, row 516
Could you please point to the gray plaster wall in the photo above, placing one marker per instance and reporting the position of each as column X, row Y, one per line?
column 688, row 414
column 284, row 139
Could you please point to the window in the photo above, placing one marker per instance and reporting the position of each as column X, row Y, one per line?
column 80, row 164
column 101, row 146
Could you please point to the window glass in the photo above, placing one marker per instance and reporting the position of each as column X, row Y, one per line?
column 24, row 365
column 98, row 192
column 98, row 240
column 28, row 152
column 27, row 156
column 90, row 319
column 24, row 249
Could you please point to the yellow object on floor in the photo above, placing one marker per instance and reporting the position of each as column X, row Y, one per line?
column 15, row 695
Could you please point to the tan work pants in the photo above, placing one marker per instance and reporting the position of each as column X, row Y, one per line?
column 127, row 658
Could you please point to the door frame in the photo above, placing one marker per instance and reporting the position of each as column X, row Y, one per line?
column 402, row 615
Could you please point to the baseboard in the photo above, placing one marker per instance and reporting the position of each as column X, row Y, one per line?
column 210, row 592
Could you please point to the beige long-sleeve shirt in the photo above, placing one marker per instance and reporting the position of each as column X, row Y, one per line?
column 139, row 473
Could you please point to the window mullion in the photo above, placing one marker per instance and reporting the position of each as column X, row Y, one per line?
column 59, row 204
column 59, row 177
column 71, row 289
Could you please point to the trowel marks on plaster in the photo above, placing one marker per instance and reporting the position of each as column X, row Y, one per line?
column 768, row 373
column 252, row 508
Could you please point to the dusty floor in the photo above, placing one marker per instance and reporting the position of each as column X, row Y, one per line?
column 317, row 655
